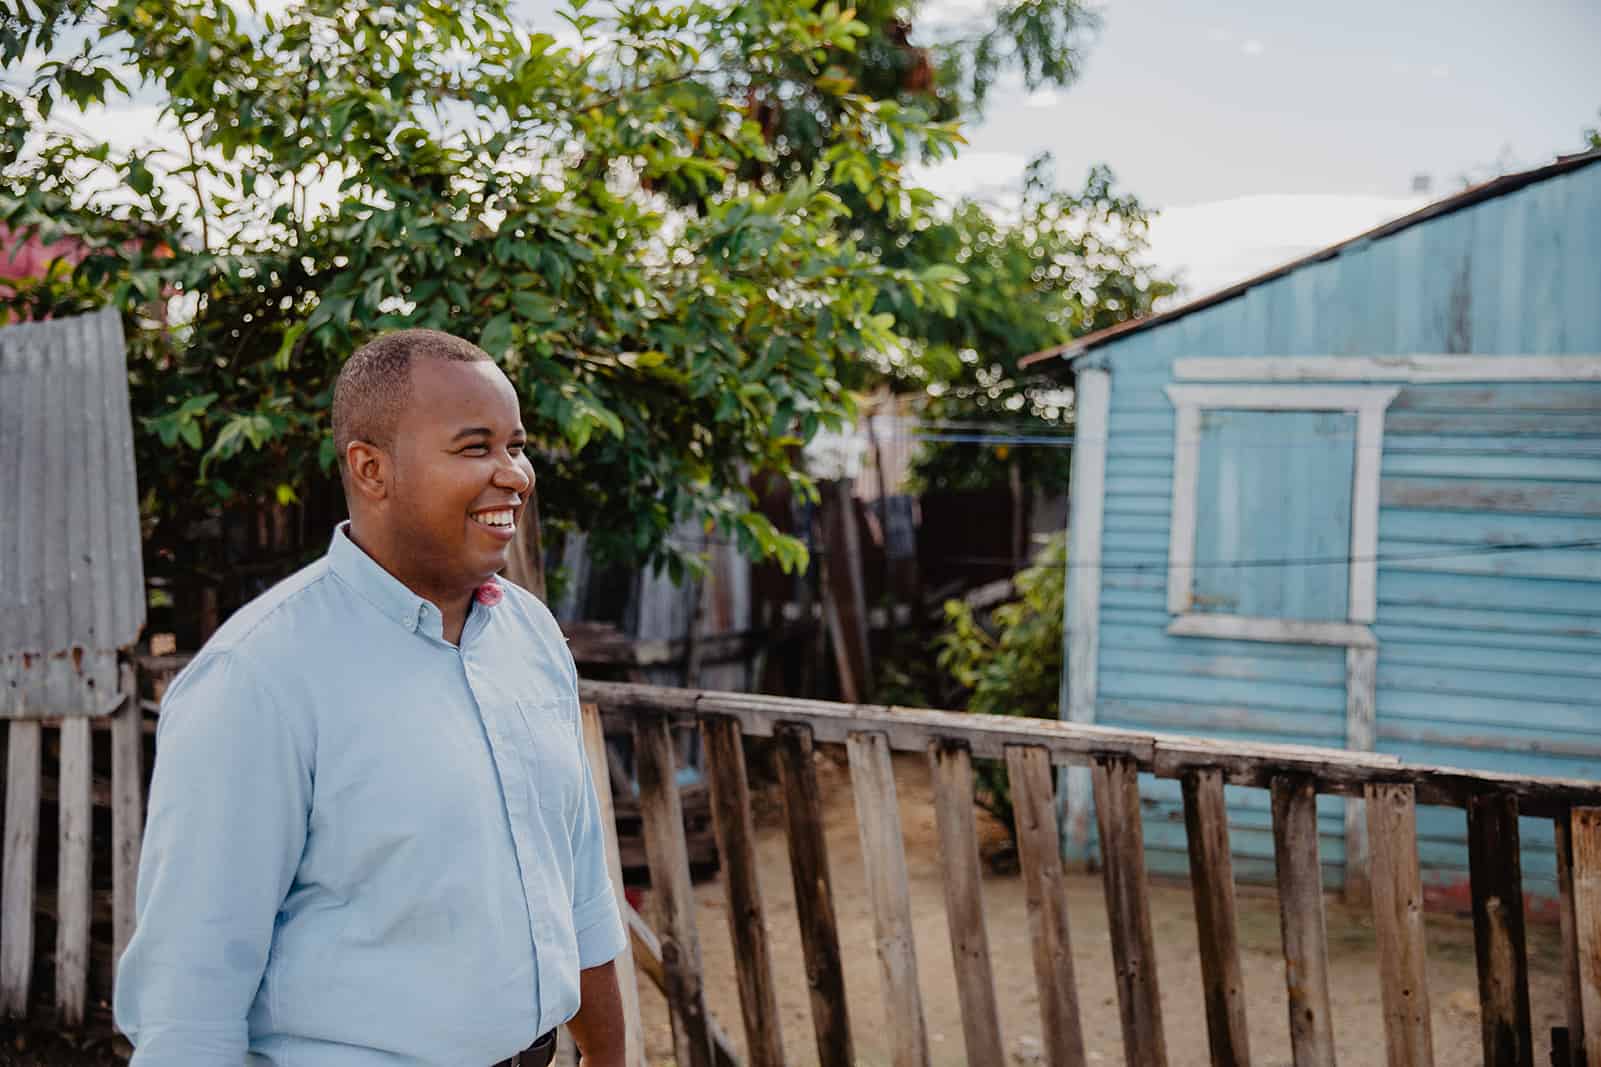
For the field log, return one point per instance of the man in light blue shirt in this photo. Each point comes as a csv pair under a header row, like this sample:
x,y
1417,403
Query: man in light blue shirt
x,y
373,838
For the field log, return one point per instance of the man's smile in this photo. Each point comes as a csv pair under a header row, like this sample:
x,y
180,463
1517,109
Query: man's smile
x,y
501,520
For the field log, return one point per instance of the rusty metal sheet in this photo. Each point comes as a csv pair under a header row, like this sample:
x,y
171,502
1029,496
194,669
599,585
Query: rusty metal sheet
x,y
71,574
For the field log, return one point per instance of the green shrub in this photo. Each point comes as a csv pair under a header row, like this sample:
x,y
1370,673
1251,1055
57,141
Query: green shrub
x,y
1010,662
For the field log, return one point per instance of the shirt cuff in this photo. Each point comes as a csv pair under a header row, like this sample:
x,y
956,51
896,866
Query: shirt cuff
x,y
599,925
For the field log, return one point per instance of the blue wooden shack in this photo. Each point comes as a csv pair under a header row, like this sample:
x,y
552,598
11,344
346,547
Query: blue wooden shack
x,y
1354,502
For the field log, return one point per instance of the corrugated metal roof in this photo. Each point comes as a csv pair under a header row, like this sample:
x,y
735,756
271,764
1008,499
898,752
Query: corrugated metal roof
x,y
71,575
1506,183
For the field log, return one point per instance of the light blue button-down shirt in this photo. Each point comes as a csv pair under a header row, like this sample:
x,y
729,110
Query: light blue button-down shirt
x,y
366,845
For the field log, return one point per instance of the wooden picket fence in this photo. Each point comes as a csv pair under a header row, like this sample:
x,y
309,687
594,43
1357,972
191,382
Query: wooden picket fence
x,y
99,767
1032,749
101,771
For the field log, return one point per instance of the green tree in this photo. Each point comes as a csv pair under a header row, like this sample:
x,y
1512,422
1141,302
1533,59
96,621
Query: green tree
x,y
344,167
1070,264
1011,662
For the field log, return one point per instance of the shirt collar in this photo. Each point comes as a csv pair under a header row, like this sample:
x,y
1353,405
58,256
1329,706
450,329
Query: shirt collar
x,y
380,588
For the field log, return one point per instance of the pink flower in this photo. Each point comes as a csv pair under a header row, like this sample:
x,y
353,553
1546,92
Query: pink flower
x,y
490,593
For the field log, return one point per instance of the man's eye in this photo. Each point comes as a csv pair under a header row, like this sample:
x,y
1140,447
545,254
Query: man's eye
x,y
475,450
516,447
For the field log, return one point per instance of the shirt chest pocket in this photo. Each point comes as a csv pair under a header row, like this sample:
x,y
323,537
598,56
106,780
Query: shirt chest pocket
x,y
550,754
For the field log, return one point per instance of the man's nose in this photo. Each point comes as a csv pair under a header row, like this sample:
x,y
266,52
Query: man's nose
x,y
517,475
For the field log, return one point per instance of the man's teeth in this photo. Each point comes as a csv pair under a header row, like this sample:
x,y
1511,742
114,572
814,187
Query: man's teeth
x,y
500,519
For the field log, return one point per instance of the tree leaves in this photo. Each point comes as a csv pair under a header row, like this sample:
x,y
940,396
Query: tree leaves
x,y
355,167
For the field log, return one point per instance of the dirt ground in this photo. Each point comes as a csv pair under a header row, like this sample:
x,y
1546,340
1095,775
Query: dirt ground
x,y
1353,963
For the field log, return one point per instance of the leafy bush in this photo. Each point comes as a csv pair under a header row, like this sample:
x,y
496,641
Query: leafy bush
x,y
1011,662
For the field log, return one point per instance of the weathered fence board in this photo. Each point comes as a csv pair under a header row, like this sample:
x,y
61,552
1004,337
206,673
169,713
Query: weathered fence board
x,y
127,811
668,853
1040,852
1128,911
1206,826
1568,920
1334,772
1495,871
736,845
1584,834
844,599
1397,887
952,772
878,818
814,895
627,979
1306,941
72,876
20,864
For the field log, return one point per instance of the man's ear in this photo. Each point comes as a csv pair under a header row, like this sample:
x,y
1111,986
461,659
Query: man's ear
x,y
369,469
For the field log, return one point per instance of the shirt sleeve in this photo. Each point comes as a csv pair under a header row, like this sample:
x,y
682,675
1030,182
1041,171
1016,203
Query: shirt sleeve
x,y
229,803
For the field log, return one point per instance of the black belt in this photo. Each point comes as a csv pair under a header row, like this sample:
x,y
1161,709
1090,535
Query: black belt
x,y
539,1054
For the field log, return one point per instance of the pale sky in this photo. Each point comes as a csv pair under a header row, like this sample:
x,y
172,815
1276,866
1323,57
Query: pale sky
x,y
1265,129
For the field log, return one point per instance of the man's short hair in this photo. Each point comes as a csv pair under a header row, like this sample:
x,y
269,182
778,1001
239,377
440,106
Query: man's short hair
x,y
375,384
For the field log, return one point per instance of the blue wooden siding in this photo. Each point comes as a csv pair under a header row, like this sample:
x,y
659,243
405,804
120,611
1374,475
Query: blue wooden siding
x,y
1488,660
1502,671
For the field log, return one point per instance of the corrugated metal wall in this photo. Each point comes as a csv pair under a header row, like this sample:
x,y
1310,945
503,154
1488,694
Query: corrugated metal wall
x,y
71,578
1480,656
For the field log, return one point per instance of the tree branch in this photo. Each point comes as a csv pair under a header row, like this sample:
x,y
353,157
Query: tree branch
x,y
200,200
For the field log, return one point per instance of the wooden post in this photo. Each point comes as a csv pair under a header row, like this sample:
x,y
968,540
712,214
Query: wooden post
x,y
127,810
1496,873
1397,888
878,818
814,895
1361,684
747,923
1014,485
1082,610
952,770
1306,941
1572,965
668,856
1028,769
844,598
1128,911
1206,826
627,979
1584,826
72,875
20,868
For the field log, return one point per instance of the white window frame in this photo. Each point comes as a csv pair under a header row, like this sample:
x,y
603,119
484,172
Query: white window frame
x,y
1368,403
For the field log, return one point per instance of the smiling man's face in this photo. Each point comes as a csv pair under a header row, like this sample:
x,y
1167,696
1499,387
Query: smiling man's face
x,y
461,479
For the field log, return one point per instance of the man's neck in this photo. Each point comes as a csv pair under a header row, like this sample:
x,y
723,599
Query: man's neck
x,y
453,604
